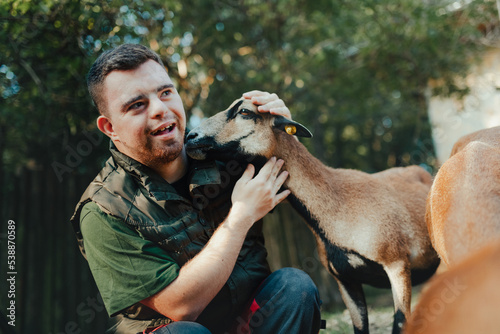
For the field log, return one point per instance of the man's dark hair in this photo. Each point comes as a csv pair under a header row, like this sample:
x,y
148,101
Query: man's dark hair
x,y
122,58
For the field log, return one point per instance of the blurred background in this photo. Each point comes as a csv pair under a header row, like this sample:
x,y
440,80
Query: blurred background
x,y
380,84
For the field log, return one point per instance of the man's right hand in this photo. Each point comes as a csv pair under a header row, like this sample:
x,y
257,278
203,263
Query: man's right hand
x,y
253,197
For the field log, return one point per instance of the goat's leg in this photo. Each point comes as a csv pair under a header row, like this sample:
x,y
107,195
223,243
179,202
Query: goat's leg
x,y
400,277
354,299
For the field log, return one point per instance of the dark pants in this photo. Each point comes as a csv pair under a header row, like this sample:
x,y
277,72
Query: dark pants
x,y
286,302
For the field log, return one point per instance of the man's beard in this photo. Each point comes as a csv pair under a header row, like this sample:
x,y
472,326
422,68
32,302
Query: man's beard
x,y
158,156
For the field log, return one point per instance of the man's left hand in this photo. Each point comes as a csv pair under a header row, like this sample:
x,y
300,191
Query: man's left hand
x,y
268,102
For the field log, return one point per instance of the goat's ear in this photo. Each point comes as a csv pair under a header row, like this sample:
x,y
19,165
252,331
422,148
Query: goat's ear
x,y
291,127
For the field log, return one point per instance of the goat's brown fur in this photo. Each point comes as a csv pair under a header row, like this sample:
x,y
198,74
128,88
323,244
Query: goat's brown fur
x,y
367,226
463,208
463,300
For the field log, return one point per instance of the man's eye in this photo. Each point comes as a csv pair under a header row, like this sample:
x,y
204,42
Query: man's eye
x,y
136,105
166,93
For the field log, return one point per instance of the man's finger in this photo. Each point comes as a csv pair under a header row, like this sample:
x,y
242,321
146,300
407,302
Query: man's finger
x,y
266,171
281,196
278,111
276,168
247,174
280,180
254,93
265,99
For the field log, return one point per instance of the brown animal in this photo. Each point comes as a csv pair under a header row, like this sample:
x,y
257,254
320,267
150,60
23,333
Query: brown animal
x,y
463,300
370,228
463,208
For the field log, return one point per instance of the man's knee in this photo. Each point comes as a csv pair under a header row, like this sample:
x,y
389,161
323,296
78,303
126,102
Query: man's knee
x,y
293,288
289,302
298,282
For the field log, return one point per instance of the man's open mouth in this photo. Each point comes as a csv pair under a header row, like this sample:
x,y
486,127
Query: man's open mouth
x,y
163,130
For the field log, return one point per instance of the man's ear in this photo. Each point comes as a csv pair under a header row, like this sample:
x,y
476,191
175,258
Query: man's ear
x,y
291,127
104,124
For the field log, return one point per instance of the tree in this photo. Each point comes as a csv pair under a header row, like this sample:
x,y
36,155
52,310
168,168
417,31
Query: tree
x,y
357,70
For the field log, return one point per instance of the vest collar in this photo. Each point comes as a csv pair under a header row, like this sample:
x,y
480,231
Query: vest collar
x,y
200,173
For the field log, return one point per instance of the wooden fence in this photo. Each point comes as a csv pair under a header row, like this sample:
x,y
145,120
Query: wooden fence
x,y
54,289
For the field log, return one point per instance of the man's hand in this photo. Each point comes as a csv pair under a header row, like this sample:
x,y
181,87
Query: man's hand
x,y
268,102
253,197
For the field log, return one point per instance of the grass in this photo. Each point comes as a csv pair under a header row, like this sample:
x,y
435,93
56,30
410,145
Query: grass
x,y
380,313
380,320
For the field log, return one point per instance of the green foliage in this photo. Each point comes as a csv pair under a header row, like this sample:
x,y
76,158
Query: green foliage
x,y
355,72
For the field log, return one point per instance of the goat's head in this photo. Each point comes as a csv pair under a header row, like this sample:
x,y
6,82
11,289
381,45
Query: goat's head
x,y
241,133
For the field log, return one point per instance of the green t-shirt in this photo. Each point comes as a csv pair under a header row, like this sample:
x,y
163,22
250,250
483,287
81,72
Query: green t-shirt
x,y
126,267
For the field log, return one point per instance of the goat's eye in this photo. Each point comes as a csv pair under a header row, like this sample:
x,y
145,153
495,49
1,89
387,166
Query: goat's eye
x,y
245,112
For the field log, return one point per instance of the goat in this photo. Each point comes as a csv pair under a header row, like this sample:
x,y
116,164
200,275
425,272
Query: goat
x,y
463,207
369,228
463,300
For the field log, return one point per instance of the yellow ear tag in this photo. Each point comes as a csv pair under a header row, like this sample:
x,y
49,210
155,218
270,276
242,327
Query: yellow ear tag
x,y
290,129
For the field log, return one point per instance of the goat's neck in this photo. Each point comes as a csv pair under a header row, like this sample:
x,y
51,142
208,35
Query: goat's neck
x,y
309,180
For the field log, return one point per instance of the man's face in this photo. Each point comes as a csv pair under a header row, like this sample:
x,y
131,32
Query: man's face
x,y
145,112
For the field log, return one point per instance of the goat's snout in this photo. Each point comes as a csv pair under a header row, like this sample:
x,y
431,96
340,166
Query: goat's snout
x,y
192,135
197,145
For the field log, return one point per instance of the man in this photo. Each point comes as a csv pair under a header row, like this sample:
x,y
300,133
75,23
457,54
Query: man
x,y
176,245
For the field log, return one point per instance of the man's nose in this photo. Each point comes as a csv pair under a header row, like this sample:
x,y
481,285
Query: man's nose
x,y
158,108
